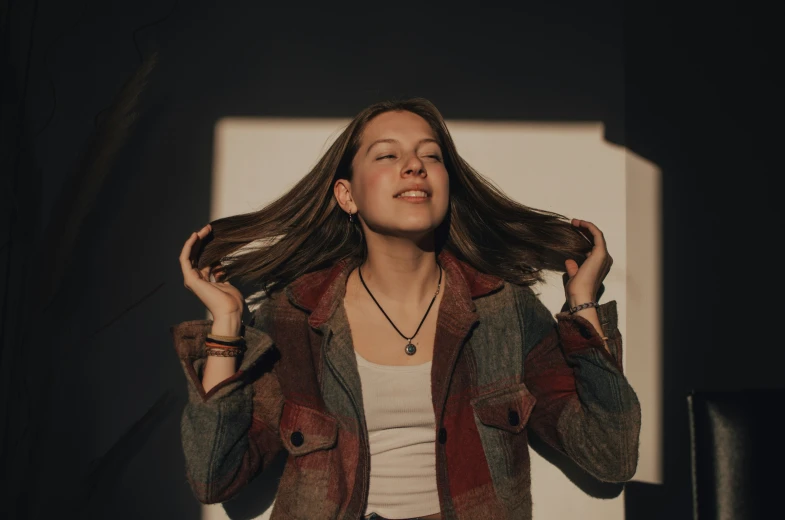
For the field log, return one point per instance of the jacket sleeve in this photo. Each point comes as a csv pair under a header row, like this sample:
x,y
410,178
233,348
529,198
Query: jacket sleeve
x,y
585,408
230,433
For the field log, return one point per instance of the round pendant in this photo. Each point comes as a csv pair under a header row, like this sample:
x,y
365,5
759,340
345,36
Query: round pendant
x,y
411,349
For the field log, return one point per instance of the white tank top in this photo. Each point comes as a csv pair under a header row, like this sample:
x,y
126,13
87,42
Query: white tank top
x,y
401,433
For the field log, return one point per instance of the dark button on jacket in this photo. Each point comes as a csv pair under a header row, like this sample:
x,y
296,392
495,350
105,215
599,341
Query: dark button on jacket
x,y
297,439
442,435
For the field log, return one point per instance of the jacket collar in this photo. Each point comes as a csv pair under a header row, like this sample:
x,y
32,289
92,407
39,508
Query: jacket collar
x,y
320,292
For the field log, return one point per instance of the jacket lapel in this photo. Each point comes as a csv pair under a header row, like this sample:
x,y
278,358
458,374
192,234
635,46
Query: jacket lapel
x,y
321,293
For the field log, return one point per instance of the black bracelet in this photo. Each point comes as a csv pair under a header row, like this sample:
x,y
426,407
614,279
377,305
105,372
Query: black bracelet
x,y
583,306
236,343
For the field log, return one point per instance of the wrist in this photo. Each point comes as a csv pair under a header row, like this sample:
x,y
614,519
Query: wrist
x,y
227,326
575,300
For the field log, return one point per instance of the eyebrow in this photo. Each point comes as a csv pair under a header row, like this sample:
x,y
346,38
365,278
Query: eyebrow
x,y
421,141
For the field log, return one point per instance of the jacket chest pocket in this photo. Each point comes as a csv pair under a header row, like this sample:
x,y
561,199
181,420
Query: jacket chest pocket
x,y
501,418
310,436
506,409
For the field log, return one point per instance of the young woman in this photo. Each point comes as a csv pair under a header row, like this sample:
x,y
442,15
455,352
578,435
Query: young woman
x,y
398,353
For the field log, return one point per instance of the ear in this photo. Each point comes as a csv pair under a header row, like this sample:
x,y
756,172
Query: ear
x,y
343,194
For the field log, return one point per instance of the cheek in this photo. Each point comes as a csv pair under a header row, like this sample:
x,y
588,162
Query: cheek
x,y
371,187
377,184
440,182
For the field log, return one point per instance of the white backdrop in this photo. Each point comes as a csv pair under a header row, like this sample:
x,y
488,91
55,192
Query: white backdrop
x,y
566,168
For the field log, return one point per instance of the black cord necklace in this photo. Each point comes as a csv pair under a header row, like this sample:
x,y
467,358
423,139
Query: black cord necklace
x,y
410,348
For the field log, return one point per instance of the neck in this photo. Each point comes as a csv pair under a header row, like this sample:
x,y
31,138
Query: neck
x,y
401,276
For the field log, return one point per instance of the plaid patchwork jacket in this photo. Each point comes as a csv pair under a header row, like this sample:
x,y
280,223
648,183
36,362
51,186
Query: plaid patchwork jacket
x,y
502,367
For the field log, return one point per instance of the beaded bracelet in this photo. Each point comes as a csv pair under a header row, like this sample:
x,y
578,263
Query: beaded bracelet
x,y
220,352
583,306
214,348
224,352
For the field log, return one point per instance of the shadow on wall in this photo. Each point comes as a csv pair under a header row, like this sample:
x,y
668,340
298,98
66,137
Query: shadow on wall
x,y
34,302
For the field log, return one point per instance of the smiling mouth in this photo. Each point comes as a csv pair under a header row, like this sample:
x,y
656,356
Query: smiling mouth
x,y
414,194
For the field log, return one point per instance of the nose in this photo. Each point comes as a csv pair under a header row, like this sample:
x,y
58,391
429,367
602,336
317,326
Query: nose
x,y
414,166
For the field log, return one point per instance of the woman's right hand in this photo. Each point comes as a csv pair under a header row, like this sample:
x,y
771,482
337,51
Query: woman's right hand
x,y
221,298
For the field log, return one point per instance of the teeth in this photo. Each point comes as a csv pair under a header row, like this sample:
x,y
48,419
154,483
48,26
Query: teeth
x,y
413,194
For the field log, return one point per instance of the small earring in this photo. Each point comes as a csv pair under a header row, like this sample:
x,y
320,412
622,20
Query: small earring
x,y
350,217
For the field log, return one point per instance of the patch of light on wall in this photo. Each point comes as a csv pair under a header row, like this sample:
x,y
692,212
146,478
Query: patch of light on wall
x,y
566,168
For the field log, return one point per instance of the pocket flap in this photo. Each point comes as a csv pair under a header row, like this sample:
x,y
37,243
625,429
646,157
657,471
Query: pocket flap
x,y
304,429
507,408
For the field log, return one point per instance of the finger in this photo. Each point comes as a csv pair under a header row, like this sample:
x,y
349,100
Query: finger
x,y
196,250
192,277
204,231
185,254
219,277
188,245
599,238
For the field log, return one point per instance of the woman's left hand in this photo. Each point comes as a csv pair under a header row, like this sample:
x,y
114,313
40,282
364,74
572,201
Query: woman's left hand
x,y
582,283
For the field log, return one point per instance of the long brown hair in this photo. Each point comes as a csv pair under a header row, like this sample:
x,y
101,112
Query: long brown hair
x,y
306,230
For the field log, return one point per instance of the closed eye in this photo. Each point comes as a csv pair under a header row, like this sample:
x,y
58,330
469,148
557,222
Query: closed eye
x,y
438,158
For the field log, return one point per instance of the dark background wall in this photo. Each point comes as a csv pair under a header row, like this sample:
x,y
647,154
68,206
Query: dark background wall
x,y
107,121
702,102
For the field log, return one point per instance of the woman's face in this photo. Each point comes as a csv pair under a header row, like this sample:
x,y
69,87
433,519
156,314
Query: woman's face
x,y
398,152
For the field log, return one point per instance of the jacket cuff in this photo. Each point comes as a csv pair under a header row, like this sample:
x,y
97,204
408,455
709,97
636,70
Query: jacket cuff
x,y
577,333
189,343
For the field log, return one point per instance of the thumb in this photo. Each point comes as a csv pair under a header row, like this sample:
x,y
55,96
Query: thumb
x,y
572,267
